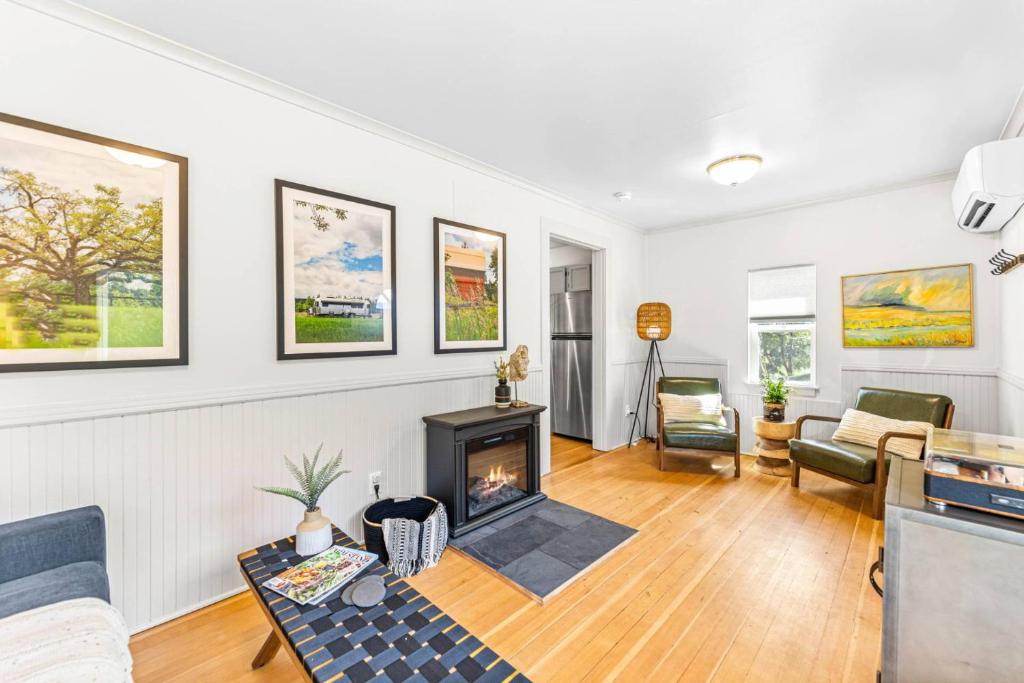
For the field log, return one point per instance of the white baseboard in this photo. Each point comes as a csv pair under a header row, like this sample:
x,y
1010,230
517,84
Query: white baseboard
x,y
189,610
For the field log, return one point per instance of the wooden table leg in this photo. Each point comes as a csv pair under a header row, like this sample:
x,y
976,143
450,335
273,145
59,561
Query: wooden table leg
x,y
270,647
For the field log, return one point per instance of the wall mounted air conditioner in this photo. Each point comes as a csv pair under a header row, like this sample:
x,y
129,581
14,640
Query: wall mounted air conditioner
x,y
989,190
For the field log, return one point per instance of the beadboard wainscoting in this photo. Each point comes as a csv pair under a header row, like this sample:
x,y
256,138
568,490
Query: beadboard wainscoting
x,y
177,485
975,392
1011,404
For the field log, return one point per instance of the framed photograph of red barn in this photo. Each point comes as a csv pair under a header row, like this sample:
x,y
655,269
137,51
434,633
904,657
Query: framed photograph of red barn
x,y
469,288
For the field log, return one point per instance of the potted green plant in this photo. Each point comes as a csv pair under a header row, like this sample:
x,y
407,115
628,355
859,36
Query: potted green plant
x,y
775,395
313,534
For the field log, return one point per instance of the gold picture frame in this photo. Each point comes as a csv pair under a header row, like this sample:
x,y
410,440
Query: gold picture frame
x,y
930,307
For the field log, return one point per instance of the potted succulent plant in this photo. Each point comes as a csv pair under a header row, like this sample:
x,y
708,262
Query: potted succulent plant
x,y
313,534
775,395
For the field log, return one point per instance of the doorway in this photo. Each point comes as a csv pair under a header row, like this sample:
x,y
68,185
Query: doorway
x,y
571,352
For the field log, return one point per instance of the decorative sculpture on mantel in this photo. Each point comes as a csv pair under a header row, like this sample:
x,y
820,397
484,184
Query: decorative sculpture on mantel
x,y
519,368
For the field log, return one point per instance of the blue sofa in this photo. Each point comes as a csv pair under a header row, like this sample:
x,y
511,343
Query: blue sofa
x,y
52,558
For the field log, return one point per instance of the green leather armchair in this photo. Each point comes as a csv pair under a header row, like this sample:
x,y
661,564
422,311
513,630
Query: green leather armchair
x,y
696,438
864,466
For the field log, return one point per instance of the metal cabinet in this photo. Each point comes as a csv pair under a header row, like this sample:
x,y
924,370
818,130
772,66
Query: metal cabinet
x,y
558,280
570,279
577,279
954,590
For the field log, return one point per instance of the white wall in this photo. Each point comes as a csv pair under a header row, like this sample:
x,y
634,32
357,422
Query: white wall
x,y
172,453
702,273
569,255
1011,363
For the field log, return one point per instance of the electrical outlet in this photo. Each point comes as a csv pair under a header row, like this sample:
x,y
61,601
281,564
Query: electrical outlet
x,y
629,410
375,480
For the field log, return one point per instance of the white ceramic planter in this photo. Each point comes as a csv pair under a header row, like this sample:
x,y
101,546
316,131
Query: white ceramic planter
x,y
313,534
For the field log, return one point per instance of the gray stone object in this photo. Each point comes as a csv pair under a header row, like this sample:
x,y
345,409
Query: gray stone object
x,y
367,593
346,593
349,591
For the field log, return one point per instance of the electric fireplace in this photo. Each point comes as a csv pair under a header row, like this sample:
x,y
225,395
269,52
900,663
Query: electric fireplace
x,y
483,463
496,470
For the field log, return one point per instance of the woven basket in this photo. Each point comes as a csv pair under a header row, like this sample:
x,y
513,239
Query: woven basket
x,y
653,321
417,508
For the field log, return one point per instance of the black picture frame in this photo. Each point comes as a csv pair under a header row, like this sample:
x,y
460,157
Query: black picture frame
x,y
182,357
439,304
282,353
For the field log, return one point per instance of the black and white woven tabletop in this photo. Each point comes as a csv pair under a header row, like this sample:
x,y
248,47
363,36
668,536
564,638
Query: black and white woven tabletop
x,y
404,638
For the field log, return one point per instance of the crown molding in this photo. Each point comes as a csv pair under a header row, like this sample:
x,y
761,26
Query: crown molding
x,y
827,199
50,413
115,29
1015,121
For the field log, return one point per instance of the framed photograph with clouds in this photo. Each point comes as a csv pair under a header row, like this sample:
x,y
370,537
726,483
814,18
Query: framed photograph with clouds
x,y
335,274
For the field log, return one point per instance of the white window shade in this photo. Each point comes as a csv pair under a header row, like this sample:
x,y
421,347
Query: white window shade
x,y
781,294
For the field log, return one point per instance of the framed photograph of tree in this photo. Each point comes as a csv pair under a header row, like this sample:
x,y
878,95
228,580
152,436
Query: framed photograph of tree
x,y
93,251
469,288
335,274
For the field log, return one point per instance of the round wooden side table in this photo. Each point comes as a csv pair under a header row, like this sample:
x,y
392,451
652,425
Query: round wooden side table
x,y
772,447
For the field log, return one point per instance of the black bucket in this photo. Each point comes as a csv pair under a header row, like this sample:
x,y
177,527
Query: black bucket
x,y
418,509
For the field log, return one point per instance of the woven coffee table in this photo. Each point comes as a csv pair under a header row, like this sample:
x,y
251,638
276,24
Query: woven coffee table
x,y
404,637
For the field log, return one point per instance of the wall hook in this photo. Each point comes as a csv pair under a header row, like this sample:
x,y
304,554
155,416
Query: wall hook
x,y
1004,262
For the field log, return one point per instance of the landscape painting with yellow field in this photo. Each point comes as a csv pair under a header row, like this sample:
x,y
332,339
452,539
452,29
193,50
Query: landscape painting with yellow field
x,y
925,307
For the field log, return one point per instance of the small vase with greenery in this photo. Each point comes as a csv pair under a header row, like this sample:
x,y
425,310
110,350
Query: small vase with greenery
x,y
502,392
313,534
775,395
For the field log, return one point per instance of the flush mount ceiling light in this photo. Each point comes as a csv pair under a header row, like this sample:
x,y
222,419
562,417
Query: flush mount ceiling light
x,y
735,169
623,196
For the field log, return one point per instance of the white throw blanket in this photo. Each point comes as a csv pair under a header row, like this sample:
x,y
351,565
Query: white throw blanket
x,y
76,640
412,546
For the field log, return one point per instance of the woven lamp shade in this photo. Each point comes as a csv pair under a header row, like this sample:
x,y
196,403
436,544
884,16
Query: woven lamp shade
x,y
653,321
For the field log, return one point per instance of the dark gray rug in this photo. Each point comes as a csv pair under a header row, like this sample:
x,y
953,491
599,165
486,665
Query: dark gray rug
x,y
542,548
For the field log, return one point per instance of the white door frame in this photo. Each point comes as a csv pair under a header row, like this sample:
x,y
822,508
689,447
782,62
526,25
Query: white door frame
x,y
599,286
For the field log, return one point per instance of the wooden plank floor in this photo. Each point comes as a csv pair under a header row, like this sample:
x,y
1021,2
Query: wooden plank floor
x,y
728,580
566,452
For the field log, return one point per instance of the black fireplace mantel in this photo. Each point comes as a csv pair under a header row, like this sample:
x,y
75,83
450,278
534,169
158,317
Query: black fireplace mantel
x,y
447,436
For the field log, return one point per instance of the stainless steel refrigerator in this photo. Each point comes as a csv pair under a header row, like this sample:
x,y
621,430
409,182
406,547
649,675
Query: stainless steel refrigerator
x,y
571,352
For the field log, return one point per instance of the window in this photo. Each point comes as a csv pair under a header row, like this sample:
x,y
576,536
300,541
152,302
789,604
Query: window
x,y
781,311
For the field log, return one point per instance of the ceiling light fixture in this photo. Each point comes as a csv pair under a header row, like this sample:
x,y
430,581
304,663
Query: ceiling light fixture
x,y
735,169
623,196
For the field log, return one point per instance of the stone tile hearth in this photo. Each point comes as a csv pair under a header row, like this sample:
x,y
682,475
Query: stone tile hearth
x,y
544,547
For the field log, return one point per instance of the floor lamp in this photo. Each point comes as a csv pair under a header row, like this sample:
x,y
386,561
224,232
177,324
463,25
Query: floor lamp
x,y
653,324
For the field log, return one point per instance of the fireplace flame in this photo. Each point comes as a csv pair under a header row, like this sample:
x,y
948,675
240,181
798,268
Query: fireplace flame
x,y
497,478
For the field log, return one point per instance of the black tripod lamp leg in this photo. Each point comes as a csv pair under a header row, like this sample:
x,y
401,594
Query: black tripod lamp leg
x,y
639,400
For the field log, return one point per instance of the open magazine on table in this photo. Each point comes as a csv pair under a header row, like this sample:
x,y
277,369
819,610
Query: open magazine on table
x,y
314,578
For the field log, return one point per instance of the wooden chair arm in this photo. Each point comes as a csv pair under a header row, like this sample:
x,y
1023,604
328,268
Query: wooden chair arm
x,y
880,473
803,418
735,418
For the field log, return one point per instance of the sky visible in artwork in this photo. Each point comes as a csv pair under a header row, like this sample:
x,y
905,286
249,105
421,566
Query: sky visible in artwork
x,y
345,260
80,172
935,289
